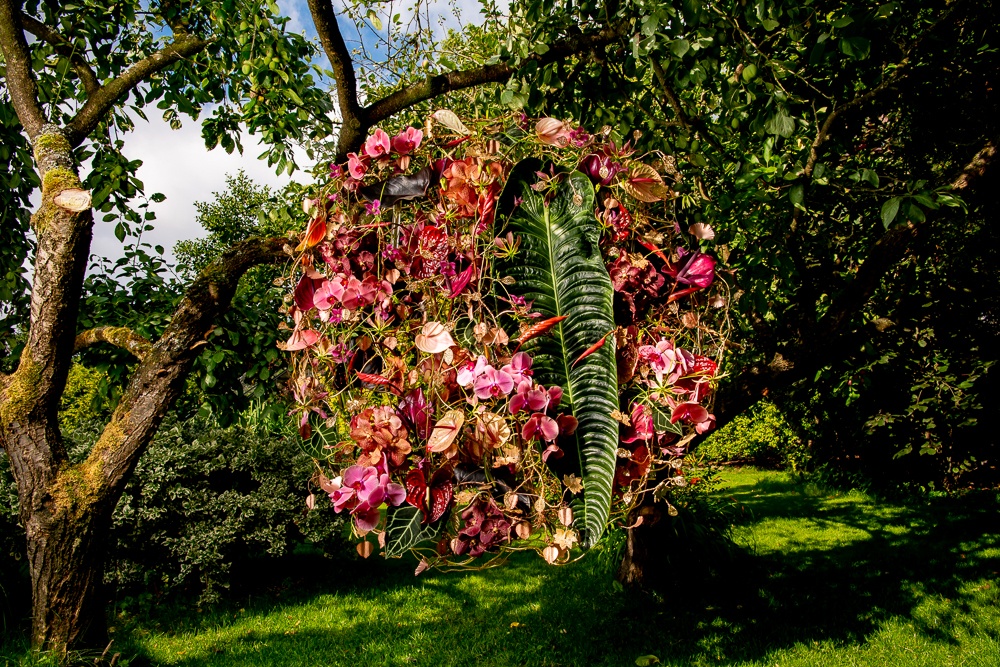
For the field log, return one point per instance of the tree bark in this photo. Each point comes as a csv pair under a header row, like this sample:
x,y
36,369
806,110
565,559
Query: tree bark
x,y
66,561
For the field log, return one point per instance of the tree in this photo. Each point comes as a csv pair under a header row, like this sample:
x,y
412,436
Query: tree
x,y
88,66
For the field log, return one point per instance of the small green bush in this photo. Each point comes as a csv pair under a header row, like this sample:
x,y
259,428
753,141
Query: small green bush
x,y
761,435
204,501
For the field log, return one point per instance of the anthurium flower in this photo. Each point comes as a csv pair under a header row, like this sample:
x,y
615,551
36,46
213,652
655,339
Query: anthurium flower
x,y
416,412
377,144
694,268
301,339
442,438
432,498
552,131
433,338
306,289
642,424
600,169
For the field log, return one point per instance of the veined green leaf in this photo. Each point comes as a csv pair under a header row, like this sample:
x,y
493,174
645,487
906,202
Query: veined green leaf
x,y
560,269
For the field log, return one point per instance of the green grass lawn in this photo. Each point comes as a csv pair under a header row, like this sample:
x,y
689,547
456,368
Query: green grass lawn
x,y
826,578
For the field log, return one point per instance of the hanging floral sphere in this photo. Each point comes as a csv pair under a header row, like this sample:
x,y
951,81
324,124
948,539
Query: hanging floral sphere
x,y
500,338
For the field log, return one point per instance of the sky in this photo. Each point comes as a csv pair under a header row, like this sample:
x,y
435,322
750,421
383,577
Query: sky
x,y
176,163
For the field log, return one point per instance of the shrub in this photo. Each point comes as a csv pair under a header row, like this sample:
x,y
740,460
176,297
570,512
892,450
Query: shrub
x,y
203,501
762,435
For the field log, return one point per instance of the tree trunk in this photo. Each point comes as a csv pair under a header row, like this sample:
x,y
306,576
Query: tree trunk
x,y
642,544
66,559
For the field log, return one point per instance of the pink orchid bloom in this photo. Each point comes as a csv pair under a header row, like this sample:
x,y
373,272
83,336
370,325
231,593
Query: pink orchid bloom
x,y
534,397
492,384
519,367
329,293
358,294
666,360
377,144
362,490
407,141
472,370
356,166
540,426
693,413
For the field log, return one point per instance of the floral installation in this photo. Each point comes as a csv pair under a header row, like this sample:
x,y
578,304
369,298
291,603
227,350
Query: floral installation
x,y
459,412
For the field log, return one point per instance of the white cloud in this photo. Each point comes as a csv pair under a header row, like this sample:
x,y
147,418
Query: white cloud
x,y
176,163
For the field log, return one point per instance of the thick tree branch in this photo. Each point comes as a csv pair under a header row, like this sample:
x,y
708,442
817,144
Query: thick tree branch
x,y
64,48
122,337
325,20
433,86
20,78
444,83
183,46
160,376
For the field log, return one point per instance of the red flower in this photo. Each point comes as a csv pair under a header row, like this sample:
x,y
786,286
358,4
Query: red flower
x,y
437,494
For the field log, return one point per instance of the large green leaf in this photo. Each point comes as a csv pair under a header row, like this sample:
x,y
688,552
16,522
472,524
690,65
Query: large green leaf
x,y
559,267
405,530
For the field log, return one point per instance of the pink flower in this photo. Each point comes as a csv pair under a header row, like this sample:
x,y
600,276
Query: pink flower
x,y
696,269
702,231
377,144
472,370
407,141
492,384
693,413
534,397
519,368
666,360
433,338
540,426
301,339
362,490
373,207
642,424
356,166
552,131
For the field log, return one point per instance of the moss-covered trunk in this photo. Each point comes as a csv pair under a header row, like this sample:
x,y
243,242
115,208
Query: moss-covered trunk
x,y
66,559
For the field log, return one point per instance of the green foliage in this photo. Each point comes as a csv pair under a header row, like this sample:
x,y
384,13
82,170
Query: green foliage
x,y
82,402
206,499
762,435
561,270
204,502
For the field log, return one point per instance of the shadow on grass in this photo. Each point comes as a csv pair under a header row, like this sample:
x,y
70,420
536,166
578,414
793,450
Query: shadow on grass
x,y
916,562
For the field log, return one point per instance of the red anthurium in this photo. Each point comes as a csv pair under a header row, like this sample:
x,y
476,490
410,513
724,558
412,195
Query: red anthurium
x,y
434,498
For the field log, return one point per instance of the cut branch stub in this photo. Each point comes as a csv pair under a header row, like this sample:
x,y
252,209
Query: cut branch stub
x,y
73,199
